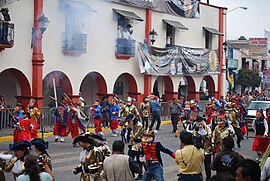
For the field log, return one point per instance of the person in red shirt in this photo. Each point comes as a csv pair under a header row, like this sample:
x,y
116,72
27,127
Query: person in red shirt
x,y
24,127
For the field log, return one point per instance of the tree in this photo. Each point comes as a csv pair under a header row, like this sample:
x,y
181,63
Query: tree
x,y
248,78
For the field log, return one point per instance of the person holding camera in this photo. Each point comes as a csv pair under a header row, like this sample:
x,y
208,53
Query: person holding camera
x,y
40,147
151,150
226,160
202,139
189,159
32,170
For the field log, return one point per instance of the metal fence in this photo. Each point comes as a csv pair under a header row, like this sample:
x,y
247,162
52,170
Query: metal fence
x,y
48,118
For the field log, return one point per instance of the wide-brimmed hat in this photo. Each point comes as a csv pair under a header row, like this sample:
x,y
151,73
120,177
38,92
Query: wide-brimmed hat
x,y
40,142
85,138
229,107
96,136
28,113
20,145
221,118
18,105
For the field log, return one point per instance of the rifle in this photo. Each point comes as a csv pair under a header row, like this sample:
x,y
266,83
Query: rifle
x,y
70,100
57,101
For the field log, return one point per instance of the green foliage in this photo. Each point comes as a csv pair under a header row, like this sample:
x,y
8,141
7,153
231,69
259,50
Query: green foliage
x,y
248,78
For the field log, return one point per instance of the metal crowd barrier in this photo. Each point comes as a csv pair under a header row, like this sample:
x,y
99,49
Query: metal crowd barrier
x,y
48,118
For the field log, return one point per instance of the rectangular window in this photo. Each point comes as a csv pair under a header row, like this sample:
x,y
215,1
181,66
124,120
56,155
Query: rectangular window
x,y
208,40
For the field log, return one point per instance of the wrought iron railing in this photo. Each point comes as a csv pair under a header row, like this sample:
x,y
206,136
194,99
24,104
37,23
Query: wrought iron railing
x,y
6,33
125,47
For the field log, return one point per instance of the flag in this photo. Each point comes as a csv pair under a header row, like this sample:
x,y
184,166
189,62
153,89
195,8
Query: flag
x,y
231,80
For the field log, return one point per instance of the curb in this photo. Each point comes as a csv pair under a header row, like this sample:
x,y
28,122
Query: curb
x,y
10,138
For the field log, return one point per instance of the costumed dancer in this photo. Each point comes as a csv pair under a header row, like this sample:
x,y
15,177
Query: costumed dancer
x,y
234,117
16,115
102,145
113,112
145,109
202,139
105,105
60,129
126,110
35,116
74,123
260,127
97,116
220,132
40,147
91,159
134,135
16,165
191,123
24,128
151,150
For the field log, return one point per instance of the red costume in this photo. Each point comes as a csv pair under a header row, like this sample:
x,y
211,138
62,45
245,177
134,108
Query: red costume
x,y
23,130
74,123
60,127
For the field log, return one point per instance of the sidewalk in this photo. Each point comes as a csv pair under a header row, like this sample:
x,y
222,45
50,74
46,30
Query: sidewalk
x,y
7,134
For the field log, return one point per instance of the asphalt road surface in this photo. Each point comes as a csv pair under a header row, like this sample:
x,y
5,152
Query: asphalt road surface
x,y
65,157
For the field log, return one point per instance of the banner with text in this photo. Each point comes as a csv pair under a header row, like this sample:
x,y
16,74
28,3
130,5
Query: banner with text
x,y
177,60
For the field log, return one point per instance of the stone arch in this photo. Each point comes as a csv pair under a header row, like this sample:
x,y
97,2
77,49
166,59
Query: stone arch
x,y
126,85
191,90
93,87
62,84
210,85
15,86
166,87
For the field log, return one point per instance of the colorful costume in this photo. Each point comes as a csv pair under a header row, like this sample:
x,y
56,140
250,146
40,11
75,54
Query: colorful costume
x,y
60,128
151,149
113,112
91,159
145,109
96,113
220,132
74,123
35,116
260,127
16,165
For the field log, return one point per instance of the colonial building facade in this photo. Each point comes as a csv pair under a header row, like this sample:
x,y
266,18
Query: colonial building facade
x,y
95,47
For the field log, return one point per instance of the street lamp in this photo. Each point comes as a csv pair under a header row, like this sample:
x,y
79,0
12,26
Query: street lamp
x,y
225,48
43,23
153,36
38,31
244,8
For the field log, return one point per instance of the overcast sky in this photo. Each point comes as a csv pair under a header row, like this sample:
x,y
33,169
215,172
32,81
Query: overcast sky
x,y
251,22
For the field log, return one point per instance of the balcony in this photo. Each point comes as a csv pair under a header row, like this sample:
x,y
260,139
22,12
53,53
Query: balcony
x,y
74,44
6,35
125,48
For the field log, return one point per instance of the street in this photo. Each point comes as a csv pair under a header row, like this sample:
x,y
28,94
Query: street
x,y
65,157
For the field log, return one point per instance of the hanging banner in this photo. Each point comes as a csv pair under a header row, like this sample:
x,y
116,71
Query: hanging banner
x,y
267,35
177,60
184,8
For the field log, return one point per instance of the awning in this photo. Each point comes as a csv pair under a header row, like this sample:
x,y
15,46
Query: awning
x,y
80,6
175,24
128,14
213,31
